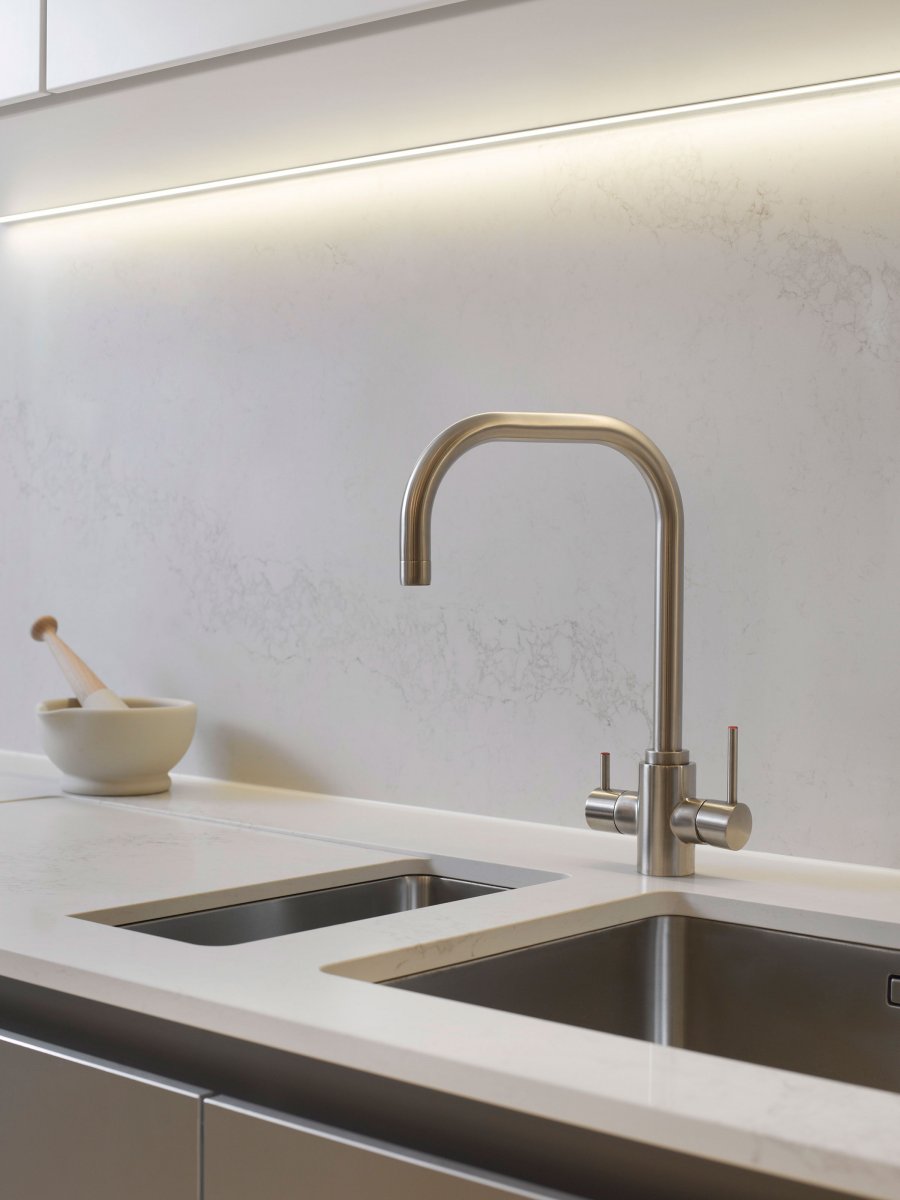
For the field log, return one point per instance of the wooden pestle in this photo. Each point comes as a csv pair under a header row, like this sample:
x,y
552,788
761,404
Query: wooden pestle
x,y
91,691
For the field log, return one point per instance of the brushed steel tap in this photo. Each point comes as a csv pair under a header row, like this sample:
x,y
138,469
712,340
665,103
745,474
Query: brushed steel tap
x,y
661,812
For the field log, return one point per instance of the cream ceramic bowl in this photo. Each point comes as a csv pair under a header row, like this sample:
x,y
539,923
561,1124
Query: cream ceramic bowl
x,y
109,752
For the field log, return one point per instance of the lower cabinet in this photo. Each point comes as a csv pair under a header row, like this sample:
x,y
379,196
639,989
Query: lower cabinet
x,y
253,1152
79,1128
74,1127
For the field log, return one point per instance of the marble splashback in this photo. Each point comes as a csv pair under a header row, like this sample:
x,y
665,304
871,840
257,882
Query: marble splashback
x,y
210,408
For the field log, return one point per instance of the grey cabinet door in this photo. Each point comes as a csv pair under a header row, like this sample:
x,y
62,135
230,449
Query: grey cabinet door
x,y
252,1153
80,1128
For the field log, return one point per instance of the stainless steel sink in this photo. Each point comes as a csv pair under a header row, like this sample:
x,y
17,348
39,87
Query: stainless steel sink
x,y
786,1000
260,919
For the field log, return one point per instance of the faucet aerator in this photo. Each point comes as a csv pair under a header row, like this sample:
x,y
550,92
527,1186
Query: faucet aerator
x,y
415,573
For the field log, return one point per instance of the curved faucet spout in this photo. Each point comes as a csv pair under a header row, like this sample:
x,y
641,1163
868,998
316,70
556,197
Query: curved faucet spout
x,y
415,526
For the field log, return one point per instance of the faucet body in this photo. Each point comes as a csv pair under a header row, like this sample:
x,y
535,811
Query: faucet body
x,y
661,812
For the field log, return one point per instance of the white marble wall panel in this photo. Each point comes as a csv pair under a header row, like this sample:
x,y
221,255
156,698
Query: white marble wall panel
x,y
210,408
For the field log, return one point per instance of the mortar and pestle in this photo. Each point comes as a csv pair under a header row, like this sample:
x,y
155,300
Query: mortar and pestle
x,y
105,744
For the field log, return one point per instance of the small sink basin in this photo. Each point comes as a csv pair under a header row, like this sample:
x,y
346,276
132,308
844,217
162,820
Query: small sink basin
x,y
258,919
807,1004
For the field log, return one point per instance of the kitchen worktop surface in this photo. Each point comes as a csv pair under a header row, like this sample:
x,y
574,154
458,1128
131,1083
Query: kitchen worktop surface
x,y
208,843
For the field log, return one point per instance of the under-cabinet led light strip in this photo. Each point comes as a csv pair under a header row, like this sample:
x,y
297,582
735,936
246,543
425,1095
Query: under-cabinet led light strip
x,y
472,143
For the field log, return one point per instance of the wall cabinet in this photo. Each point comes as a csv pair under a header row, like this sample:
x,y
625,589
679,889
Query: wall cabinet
x,y
80,1128
251,1151
21,50
89,41
460,70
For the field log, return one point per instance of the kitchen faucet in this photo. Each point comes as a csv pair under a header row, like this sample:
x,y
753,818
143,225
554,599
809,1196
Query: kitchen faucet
x,y
663,812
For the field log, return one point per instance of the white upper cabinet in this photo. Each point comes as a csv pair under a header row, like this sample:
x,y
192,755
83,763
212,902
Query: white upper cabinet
x,y
89,41
460,70
20,50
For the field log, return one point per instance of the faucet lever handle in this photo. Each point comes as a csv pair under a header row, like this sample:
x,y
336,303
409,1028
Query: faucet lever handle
x,y
731,796
604,771
710,822
610,810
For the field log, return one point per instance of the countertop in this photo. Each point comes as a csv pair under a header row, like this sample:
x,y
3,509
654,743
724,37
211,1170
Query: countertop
x,y
209,842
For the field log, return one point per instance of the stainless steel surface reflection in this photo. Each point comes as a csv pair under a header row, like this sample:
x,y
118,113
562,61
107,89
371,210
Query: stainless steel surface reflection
x,y
664,813
785,1000
311,910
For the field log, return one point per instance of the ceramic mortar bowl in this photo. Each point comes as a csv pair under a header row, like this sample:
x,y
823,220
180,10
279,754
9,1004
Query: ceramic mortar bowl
x,y
109,752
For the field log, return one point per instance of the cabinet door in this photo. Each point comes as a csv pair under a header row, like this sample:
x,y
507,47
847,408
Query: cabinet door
x,y
20,50
89,41
250,1151
79,1128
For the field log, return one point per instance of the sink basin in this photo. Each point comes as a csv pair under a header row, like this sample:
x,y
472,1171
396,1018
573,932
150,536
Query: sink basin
x,y
807,1004
258,919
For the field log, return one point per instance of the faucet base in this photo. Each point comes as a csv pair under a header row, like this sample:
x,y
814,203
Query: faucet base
x,y
665,815
662,788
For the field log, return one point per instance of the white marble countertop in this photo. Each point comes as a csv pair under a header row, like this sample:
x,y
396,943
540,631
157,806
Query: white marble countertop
x,y
208,842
